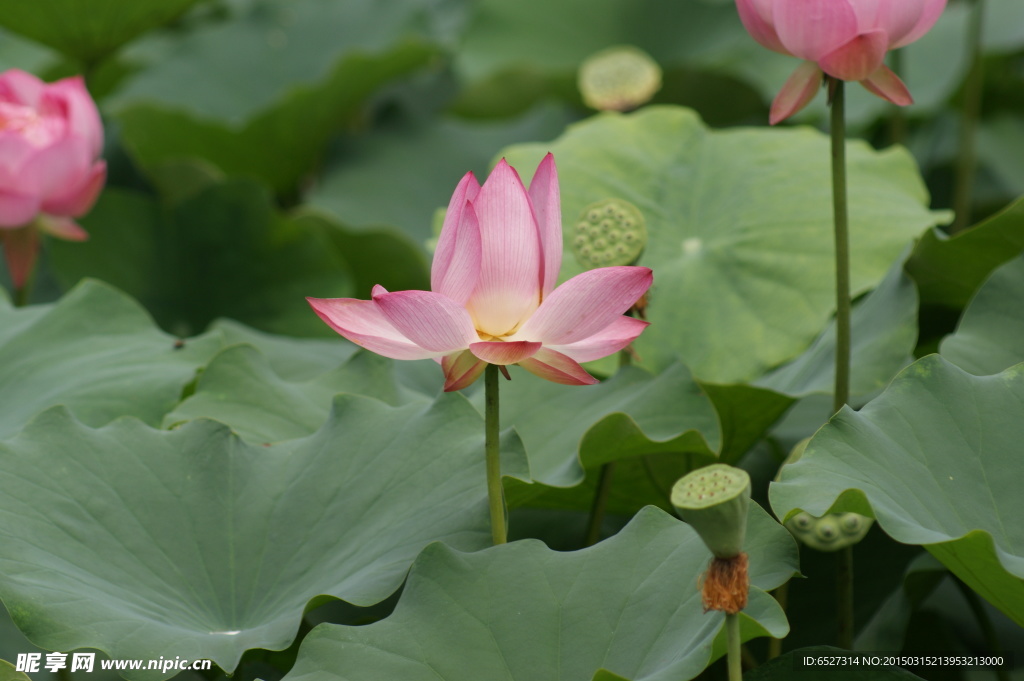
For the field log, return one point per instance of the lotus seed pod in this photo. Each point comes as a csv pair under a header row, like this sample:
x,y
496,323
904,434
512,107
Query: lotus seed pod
x,y
619,78
609,232
714,501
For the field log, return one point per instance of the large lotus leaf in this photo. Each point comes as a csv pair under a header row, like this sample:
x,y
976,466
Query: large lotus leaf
x,y
224,252
654,429
936,459
990,336
96,352
948,270
18,53
379,255
261,94
8,673
87,29
629,605
647,414
740,229
883,334
294,359
191,542
240,388
423,162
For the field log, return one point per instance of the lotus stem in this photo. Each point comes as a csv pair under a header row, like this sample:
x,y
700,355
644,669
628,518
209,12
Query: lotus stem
x,y
841,221
988,631
732,632
604,483
781,595
600,505
967,153
842,382
20,295
492,448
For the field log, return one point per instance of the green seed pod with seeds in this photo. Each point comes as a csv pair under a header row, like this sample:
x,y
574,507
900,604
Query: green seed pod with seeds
x,y
714,501
609,232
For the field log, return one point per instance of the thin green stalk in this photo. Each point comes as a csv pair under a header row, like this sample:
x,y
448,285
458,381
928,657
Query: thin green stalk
x,y
967,153
604,485
782,596
600,505
842,383
21,295
734,660
842,238
844,576
495,494
988,631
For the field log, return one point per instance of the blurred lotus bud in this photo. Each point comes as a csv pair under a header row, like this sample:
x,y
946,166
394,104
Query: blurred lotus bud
x,y
50,170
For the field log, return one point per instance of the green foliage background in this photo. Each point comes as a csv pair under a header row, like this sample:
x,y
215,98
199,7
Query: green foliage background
x,y
192,464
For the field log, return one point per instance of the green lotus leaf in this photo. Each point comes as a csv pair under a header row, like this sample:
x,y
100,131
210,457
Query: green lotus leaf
x,y
655,428
948,270
260,94
8,673
240,388
990,336
425,159
629,606
936,460
739,228
97,352
225,251
191,542
293,359
884,331
87,30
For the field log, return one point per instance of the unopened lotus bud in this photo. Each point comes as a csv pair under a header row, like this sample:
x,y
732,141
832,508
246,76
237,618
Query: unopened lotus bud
x,y
620,78
830,532
714,501
609,232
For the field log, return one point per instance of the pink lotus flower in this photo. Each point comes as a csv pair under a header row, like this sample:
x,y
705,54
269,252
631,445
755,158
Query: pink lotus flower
x,y
846,39
50,142
494,299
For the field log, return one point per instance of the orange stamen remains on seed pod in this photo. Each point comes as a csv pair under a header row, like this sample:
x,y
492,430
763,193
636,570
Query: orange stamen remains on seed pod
x,y
725,584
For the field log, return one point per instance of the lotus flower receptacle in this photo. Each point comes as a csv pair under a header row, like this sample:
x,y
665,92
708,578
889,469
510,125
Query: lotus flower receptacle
x,y
714,500
609,232
619,78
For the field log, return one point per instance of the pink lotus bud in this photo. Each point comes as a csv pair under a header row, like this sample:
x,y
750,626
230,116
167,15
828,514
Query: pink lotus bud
x,y
50,170
845,39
